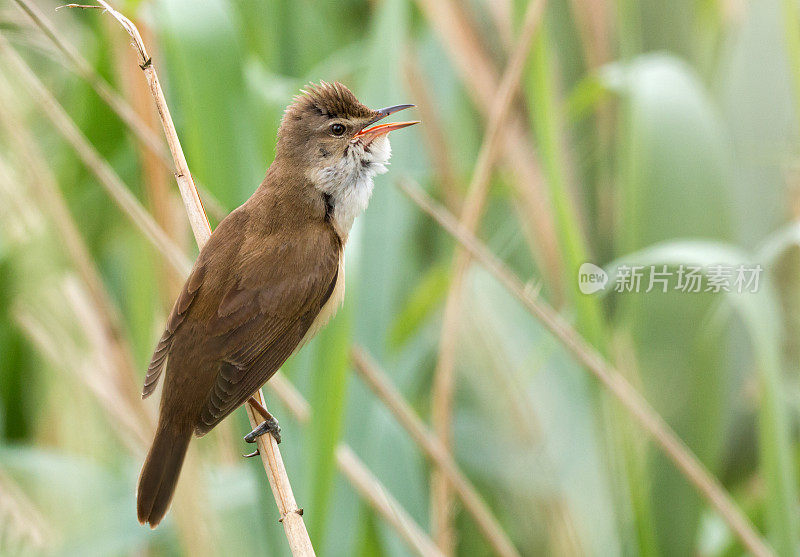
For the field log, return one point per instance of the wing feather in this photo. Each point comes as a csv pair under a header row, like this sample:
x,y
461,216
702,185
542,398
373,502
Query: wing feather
x,y
262,323
182,305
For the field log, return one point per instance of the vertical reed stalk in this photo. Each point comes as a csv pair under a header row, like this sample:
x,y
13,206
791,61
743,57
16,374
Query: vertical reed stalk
x,y
291,514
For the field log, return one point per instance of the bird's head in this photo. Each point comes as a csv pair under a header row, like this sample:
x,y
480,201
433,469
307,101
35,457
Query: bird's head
x,y
326,123
335,141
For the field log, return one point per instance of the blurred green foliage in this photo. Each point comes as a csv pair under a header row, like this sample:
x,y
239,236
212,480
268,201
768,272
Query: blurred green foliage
x,y
665,133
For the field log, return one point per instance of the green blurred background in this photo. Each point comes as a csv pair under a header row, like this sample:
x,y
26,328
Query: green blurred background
x,y
650,132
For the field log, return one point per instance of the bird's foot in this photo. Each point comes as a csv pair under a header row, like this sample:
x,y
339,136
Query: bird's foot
x,y
269,425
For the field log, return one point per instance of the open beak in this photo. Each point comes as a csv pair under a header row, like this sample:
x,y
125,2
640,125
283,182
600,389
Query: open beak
x,y
381,129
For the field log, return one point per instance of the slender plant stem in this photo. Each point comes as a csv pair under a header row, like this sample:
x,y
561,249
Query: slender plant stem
x,y
645,415
114,100
450,19
45,189
290,397
359,476
291,514
371,490
108,178
435,450
433,131
477,193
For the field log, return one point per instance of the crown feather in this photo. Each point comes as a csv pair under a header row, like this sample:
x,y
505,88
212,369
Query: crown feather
x,y
333,100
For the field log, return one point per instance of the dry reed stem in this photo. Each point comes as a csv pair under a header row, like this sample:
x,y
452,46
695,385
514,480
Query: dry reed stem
x,y
356,472
435,450
291,514
95,374
156,177
21,522
60,355
444,378
114,100
94,161
433,132
381,500
45,189
644,414
300,408
451,21
110,373
280,385
194,207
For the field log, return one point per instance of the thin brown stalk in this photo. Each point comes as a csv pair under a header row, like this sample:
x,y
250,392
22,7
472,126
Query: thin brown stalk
x,y
194,207
356,472
95,372
23,529
435,450
45,190
644,414
155,174
105,370
593,22
138,126
93,160
450,19
444,378
502,12
433,132
381,500
280,385
291,514
60,351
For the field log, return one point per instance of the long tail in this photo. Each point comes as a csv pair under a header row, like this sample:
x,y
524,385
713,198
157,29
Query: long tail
x,y
160,473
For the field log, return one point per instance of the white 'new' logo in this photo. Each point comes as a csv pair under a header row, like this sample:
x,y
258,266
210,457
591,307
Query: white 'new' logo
x,y
591,278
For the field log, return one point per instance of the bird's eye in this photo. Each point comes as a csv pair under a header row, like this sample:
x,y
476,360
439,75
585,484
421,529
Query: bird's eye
x,y
337,129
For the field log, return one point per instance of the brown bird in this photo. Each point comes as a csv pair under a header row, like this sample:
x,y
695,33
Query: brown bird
x,y
270,276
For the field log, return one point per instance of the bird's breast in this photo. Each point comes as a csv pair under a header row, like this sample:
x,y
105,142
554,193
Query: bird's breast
x,y
330,307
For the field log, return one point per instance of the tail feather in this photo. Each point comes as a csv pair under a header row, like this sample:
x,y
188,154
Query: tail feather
x,y
160,474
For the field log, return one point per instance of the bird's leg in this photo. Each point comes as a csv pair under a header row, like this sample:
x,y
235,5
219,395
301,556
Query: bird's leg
x,y
269,425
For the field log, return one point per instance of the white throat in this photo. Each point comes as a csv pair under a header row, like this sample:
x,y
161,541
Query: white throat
x,y
349,180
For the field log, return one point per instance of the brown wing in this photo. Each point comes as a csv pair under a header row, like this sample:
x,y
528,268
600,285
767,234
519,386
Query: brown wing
x,y
182,305
265,315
